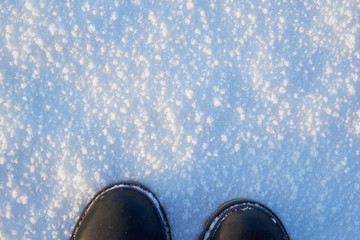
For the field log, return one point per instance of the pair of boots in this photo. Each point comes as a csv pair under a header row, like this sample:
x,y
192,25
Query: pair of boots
x,y
128,210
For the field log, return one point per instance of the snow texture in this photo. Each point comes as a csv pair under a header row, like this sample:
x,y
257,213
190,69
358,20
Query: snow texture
x,y
201,101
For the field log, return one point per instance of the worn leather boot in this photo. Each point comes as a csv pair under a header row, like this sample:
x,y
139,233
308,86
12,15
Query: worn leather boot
x,y
125,211
243,219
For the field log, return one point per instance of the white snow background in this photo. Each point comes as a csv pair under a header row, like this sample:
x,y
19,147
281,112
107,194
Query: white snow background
x,y
201,101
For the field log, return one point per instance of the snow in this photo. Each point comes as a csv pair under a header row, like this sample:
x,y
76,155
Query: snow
x,y
202,102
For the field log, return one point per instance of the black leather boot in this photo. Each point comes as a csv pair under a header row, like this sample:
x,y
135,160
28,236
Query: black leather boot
x,y
125,211
243,219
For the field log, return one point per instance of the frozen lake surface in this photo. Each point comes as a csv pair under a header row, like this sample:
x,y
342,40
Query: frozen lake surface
x,y
202,101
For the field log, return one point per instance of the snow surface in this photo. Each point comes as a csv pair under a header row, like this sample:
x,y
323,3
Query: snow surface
x,y
201,101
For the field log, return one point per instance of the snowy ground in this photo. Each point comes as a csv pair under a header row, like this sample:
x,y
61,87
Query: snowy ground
x,y
201,101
